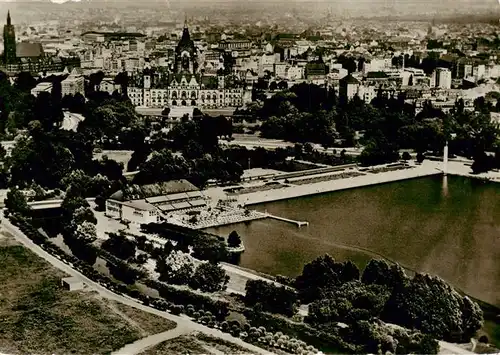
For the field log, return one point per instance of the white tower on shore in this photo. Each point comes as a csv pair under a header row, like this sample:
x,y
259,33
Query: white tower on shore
x,y
445,159
445,154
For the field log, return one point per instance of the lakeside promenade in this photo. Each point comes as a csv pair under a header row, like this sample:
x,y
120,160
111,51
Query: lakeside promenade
x,y
427,168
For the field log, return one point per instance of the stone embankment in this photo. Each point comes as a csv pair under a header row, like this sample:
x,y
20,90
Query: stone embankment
x,y
291,191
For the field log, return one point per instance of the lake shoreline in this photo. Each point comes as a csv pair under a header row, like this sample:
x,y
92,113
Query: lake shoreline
x,y
369,179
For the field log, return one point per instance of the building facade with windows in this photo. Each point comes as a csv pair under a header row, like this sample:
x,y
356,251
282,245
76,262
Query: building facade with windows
x,y
185,85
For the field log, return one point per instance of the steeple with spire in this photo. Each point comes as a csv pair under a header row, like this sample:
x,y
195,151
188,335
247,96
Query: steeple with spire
x,y
186,37
185,52
9,41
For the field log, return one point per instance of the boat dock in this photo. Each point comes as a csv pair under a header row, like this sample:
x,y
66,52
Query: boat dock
x,y
283,219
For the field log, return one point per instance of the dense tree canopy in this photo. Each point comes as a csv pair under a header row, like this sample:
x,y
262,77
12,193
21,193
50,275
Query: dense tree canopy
x,y
16,202
309,113
272,298
164,166
432,306
42,159
322,274
120,246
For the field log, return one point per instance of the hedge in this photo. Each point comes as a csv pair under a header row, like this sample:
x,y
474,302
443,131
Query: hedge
x,y
326,342
220,309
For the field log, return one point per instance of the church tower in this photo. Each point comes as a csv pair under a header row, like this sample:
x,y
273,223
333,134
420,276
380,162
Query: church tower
x,y
9,41
185,53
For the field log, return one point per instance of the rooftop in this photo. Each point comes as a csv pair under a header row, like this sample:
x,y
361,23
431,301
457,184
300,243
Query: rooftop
x,y
29,50
140,205
71,280
349,79
115,34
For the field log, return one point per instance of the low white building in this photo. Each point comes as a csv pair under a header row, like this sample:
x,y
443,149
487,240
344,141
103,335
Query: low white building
x,y
139,212
144,204
72,283
41,87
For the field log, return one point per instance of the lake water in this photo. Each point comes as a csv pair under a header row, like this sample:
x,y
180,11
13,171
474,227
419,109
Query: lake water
x,y
443,226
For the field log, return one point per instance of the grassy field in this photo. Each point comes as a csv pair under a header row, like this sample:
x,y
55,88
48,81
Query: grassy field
x,y
196,343
39,316
121,156
148,323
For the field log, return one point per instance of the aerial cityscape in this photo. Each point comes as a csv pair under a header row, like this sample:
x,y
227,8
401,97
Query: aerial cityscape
x,y
250,177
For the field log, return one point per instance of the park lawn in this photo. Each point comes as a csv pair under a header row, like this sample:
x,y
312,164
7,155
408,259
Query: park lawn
x,y
492,330
184,344
195,343
149,323
39,316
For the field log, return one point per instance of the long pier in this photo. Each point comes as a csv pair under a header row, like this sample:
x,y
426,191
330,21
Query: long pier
x,y
283,219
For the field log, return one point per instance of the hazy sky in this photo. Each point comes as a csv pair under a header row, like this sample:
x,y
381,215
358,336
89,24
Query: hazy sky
x,y
354,7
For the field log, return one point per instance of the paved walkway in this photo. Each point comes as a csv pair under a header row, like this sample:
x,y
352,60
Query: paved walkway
x,y
183,322
451,349
426,169
142,344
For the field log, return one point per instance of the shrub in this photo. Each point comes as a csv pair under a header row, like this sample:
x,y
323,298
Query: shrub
x,y
209,277
234,323
327,341
235,331
234,240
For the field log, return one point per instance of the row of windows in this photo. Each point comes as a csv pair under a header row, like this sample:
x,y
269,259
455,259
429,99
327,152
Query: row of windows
x,y
184,86
113,208
193,96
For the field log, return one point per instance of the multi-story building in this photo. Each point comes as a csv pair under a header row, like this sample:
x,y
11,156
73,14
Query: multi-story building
x,y
441,78
235,44
186,86
295,73
108,85
349,87
73,84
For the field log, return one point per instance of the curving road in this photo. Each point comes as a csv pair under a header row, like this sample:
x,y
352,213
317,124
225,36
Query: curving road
x,y
451,349
184,324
